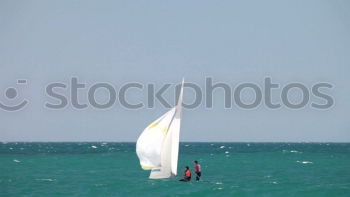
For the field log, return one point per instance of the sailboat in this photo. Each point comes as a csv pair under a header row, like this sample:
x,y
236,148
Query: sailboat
x,y
158,145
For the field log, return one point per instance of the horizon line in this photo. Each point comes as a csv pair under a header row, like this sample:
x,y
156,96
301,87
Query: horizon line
x,y
102,141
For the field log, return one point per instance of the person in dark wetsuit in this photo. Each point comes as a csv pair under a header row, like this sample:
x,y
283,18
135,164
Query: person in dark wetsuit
x,y
198,170
187,175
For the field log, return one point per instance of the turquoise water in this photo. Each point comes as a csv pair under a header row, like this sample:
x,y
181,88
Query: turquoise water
x,y
229,169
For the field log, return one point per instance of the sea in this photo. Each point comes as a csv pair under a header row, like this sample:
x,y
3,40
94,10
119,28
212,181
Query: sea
x,y
228,169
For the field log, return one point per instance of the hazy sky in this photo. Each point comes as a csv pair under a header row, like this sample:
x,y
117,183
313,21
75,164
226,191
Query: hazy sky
x,y
162,41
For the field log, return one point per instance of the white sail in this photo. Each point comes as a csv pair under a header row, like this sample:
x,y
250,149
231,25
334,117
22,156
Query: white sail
x,y
149,144
175,132
158,145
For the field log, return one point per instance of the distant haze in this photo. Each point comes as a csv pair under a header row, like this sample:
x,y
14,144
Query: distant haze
x,y
160,42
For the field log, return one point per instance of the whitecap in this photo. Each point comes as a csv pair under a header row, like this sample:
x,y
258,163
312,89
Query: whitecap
x,y
248,144
93,147
227,152
305,162
17,161
293,151
218,183
50,180
187,145
274,182
222,146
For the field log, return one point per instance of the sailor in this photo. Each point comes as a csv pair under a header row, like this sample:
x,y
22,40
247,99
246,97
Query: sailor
x,y
187,175
197,168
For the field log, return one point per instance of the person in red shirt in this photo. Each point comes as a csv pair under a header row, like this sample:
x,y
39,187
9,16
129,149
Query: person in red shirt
x,y
197,168
187,175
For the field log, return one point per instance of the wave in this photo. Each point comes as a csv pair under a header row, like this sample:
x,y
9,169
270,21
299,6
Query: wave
x,y
305,162
50,180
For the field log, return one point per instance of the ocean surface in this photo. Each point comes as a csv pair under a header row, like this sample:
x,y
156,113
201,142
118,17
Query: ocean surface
x,y
228,169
